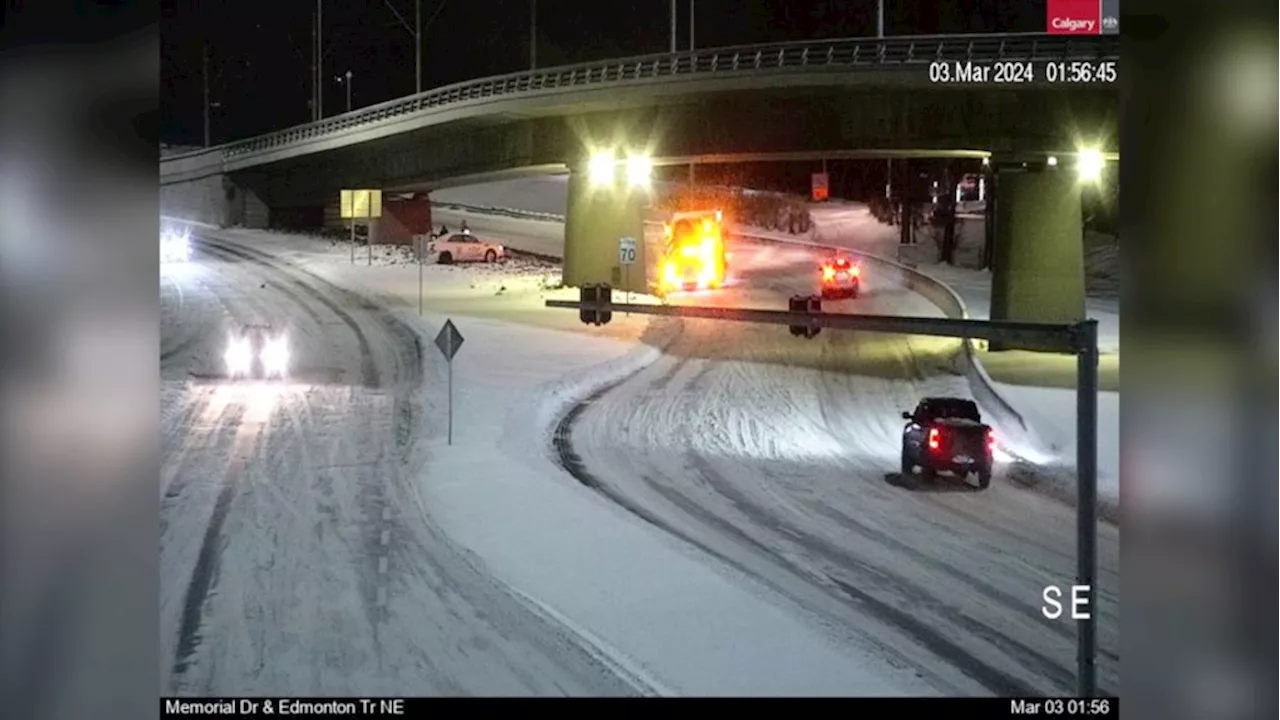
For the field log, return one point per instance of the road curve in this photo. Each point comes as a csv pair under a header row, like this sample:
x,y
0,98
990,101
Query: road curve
x,y
296,555
777,456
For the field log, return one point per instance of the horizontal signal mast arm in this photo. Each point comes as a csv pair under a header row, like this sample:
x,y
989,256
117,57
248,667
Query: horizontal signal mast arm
x,y
1070,338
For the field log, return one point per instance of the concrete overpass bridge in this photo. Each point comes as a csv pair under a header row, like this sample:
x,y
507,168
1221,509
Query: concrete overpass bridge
x,y
779,101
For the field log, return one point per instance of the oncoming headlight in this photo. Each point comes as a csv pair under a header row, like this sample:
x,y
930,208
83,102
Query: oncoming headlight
x,y
239,357
175,246
275,356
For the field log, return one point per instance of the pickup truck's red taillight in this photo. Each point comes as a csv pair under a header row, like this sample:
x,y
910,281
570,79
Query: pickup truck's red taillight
x,y
934,439
991,439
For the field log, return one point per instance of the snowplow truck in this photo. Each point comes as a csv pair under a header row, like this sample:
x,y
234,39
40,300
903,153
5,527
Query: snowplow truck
x,y
694,257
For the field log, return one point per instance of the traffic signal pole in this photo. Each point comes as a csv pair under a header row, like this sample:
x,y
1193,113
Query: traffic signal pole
x,y
1049,337
596,307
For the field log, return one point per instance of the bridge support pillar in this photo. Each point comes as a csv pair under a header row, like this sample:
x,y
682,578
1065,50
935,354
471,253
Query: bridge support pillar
x,y
245,206
1038,254
597,216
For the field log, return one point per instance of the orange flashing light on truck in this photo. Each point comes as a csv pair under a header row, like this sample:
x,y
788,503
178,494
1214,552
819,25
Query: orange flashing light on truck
x,y
694,257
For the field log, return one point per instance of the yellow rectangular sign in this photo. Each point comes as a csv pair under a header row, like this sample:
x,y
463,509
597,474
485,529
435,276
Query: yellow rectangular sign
x,y
361,203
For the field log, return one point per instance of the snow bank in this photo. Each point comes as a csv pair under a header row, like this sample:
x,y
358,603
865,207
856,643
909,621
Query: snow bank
x,y
1052,412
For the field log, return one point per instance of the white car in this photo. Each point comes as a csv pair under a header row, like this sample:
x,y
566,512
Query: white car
x,y
175,246
257,351
465,247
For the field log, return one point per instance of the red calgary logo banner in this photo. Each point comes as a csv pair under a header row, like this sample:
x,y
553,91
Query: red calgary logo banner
x,y
1074,17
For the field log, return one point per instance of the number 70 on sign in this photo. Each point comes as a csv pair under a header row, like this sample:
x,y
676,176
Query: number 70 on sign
x,y
626,251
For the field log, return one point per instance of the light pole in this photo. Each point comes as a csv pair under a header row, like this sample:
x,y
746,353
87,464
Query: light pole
x,y
691,4
319,59
347,80
315,66
417,46
533,34
416,33
673,27
205,79
888,163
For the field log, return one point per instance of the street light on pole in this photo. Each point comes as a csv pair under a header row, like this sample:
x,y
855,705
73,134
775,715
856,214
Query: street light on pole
x,y
417,45
888,163
673,26
691,3
205,79
319,59
348,82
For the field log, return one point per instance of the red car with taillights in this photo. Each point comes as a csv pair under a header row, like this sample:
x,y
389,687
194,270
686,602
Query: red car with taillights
x,y
840,277
947,434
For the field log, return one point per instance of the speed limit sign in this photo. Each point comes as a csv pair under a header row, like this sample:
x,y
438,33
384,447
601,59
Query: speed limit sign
x,y
627,251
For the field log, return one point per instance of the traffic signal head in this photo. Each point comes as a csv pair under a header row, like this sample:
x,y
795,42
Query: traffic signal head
x,y
595,294
799,304
587,294
813,305
604,293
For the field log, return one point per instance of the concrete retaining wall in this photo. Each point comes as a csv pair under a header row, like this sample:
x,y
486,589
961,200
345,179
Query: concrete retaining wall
x,y
204,200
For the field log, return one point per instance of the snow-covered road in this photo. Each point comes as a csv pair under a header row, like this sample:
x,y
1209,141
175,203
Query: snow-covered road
x,y
777,456
317,539
296,554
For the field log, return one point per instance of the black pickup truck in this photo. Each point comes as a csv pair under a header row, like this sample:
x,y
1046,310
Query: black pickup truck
x,y
947,435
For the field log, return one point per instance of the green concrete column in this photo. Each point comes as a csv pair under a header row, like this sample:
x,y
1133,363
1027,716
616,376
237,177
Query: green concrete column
x,y
1038,263
596,217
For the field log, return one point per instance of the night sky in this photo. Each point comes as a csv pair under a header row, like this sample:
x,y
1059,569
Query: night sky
x,y
260,67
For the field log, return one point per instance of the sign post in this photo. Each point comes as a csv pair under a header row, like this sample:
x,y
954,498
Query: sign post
x,y
626,258
419,241
449,340
361,204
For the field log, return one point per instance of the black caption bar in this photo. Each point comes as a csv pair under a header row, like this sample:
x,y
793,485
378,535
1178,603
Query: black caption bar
x,y
423,707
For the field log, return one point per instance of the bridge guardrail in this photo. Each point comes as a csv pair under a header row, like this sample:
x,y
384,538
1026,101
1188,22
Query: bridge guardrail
x,y
908,52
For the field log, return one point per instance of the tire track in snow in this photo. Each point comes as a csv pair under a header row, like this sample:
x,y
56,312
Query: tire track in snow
x,y
569,460
278,287
920,368
376,512
931,639
996,681
191,337
939,567
215,413
372,496
407,344
403,553
202,578
204,575
370,377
